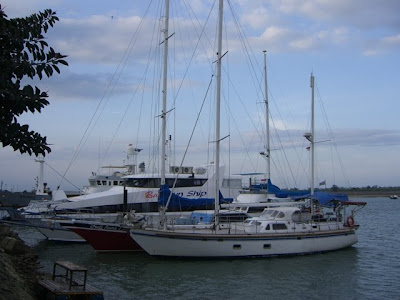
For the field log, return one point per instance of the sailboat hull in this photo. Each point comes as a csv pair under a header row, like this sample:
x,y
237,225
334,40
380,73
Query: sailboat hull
x,y
177,244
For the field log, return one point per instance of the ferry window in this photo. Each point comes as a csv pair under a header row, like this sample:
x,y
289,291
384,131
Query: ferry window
x,y
279,226
104,182
115,182
185,182
98,182
274,214
237,247
143,182
267,228
267,246
109,183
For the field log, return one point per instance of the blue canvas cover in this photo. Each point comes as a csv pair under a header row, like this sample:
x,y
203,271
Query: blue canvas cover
x,y
178,203
273,189
326,199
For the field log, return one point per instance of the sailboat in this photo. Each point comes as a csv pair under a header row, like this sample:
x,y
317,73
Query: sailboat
x,y
277,231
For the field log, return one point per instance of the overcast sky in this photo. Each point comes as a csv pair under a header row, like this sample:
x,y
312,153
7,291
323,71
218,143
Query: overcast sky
x,y
109,95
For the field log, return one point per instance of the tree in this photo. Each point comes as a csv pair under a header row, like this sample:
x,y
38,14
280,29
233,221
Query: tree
x,y
24,53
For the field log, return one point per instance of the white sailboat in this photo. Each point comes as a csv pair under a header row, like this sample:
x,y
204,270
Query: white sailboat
x,y
278,231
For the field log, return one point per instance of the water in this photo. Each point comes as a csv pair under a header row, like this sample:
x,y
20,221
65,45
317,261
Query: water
x,y
368,270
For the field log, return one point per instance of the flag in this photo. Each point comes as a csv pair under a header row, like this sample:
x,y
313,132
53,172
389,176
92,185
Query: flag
x,y
323,182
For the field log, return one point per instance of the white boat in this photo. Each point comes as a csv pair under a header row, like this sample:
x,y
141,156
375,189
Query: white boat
x,y
103,182
142,191
393,197
291,235
277,232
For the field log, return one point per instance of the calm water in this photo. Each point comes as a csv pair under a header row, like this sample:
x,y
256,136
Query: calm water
x,y
368,270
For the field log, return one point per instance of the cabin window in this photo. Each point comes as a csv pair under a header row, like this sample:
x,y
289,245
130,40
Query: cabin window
x,y
273,215
267,246
104,182
279,226
185,182
255,209
267,227
98,182
115,182
237,247
281,215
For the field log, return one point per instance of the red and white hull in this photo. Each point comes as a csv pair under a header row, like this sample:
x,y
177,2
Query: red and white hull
x,y
105,237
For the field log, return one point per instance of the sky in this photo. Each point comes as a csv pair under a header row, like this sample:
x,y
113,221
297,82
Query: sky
x,y
110,94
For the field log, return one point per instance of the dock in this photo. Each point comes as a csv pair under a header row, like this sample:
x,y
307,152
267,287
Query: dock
x,y
68,281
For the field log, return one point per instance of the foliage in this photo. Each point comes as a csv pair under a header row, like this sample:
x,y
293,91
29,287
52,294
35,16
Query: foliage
x,y
24,53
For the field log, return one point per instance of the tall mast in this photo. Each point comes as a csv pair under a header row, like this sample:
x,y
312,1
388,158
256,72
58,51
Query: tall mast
x,y
312,133
267,146
217,110
164,92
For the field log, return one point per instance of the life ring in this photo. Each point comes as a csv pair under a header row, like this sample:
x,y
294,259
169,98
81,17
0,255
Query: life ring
x,y
350,221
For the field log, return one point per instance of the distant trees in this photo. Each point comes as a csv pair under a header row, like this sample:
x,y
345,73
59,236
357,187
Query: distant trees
x,y
24,53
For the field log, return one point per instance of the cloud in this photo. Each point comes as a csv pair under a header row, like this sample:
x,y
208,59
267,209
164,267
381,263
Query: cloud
x,y
382,45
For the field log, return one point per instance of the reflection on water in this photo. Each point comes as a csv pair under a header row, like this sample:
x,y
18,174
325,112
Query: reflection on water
x,y
364,271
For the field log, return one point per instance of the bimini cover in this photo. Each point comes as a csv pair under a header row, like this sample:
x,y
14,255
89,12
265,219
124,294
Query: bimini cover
x,y
179,203
273,189
326,199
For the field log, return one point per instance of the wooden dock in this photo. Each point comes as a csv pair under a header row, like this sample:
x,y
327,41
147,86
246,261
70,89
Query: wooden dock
x,y
65,286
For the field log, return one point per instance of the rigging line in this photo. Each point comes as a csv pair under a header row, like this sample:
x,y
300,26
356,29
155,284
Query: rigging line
x,y
129,104
240,136
81,143
191,59
331,136
202,27
61,176
247,49
253,69
199,42
284,152
257,85
190,62
292,143
190,139
242,103
123,63
127,54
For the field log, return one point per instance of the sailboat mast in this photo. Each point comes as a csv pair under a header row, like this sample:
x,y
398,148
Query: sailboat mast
x,y
312,134
164,96
217,110
267,146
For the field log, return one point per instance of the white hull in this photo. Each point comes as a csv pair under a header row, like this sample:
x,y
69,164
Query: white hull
x,y
178,244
